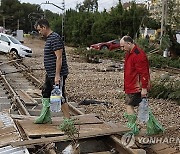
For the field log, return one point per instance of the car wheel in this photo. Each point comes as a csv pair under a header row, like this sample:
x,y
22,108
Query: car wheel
x,y
14,54
104,47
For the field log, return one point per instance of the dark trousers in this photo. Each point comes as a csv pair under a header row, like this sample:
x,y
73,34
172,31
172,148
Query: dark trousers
x,y
48,87
133,99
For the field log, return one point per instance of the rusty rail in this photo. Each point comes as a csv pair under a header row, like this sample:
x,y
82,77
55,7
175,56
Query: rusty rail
x,y
19,103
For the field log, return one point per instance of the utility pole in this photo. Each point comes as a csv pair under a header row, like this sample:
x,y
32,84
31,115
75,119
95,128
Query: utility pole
x,y
164,18
63,15
18,24
4,22
166,10
63,19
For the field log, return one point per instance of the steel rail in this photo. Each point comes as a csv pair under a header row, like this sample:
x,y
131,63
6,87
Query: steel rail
x,y
32,78
16,98
168,69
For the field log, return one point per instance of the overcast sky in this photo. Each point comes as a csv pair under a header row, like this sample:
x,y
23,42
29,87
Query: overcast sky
x,y
71,4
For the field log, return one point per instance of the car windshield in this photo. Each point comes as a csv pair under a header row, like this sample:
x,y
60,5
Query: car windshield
x,y
114,41
117,41
15,41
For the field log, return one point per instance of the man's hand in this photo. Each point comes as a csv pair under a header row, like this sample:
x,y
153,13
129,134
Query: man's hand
x,y
143,92
57,80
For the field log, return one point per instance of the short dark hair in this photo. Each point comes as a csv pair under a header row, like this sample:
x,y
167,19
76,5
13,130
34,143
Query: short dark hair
x,y
41,23
128,39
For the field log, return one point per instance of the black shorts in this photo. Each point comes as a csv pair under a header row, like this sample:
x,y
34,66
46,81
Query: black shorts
x,y
133,99
48,87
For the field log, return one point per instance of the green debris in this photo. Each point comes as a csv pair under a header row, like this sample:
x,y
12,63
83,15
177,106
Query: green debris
x,y
166,89
68,127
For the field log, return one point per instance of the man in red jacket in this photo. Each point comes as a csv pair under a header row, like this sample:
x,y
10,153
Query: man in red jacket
x,y
136,78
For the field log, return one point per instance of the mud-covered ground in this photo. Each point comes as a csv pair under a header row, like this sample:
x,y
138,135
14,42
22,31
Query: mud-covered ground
x,y
91,81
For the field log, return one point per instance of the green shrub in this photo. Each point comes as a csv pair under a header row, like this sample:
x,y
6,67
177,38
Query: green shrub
x,y
159,61
68,127
166,89
145,44
101,54
165,43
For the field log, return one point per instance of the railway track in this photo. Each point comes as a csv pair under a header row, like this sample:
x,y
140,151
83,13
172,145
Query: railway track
x,y
168,69
23,91
21,97
119,67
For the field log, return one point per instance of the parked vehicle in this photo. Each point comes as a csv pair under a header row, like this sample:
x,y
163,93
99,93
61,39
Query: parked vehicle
x,y
34,33
9,44
178,37
110,45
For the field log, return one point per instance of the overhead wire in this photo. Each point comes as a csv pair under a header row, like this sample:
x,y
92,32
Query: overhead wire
x,y
101,5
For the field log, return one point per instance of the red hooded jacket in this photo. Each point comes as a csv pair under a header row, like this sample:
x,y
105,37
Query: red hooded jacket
x,y
136,71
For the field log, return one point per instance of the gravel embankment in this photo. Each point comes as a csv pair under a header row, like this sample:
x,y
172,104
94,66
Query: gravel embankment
x,y
90,81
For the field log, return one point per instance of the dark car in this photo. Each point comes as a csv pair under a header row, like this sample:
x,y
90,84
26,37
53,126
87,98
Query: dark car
x,y
110,45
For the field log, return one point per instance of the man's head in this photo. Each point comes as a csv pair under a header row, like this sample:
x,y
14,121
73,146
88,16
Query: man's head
x,y
126,43
42,26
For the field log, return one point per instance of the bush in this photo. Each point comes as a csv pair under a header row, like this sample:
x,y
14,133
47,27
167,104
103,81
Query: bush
x,y
144,44
166,42
101,54
166,89
159,61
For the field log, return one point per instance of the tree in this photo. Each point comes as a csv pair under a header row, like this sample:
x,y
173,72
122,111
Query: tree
x,y
10,13
16,14
88,6
174,14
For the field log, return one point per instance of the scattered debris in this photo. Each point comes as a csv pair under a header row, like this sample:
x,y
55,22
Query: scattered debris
x,y
88,102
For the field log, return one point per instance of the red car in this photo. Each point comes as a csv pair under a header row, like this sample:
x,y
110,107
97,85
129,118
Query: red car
x,y
111,45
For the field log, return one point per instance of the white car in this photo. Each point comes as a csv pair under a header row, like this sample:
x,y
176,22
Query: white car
x,y
9,44
178,37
